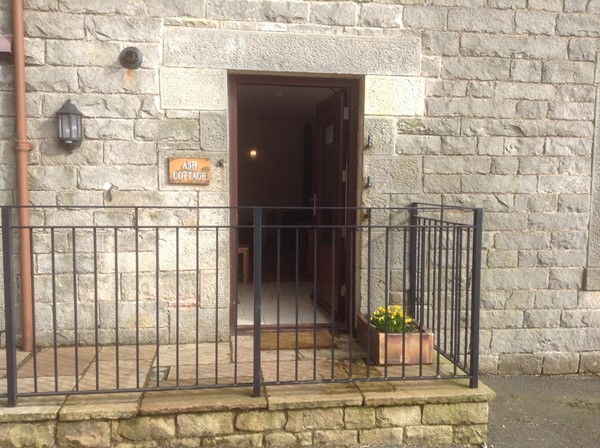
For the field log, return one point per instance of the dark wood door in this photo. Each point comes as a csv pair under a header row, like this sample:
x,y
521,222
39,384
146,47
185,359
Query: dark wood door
x,y
329,194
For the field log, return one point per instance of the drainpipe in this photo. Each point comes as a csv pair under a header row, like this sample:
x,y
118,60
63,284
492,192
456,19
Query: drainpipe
x,y
22,148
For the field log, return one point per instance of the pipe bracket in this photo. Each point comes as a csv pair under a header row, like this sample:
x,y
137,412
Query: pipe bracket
x,y
23,146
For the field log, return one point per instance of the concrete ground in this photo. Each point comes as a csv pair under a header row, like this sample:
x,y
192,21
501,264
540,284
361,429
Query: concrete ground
x,y
544,412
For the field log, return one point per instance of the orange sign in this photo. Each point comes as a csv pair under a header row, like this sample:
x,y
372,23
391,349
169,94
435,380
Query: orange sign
x,y
183,170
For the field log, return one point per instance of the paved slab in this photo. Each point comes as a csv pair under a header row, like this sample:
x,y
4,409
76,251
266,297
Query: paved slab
x,y
548,412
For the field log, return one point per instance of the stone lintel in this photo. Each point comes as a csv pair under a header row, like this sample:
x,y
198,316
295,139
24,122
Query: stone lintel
x,y
292,53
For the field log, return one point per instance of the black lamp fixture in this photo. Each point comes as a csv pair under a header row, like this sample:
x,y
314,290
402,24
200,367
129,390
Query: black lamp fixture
x,y
70,125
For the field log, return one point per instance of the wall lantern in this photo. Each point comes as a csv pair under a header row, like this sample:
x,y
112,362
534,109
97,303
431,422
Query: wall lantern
x,y
70,125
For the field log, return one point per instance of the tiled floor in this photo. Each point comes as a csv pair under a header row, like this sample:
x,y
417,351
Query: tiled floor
x,y
290,299
193,365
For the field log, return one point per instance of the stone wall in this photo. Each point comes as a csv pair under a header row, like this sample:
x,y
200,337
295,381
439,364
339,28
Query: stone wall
x,y
485,103
433,424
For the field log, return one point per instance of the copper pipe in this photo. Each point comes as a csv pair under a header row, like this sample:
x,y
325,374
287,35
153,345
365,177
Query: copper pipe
x,y
22,148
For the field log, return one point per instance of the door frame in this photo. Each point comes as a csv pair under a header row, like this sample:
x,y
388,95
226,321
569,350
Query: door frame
x,y
353,85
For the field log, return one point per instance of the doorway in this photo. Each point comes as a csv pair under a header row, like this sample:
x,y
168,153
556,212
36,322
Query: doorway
x,y
294,155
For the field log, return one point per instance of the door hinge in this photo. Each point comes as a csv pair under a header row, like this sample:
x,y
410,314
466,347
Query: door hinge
x,y
343,290
344,176
346,113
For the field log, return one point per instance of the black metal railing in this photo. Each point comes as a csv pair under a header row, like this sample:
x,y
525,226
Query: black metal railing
x,y
152,298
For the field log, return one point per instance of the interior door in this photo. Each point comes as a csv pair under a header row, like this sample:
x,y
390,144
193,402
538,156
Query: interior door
x,y
329,194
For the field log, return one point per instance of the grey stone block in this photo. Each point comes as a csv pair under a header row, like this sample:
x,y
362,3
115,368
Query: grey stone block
x,y
136,29
480,20
380,15
289,11
51,79
440,43
123,177
499,184
291,53
117,80
590,362
470,107
514,279
52,25
417,144
456,165
534,22
173,130
476,68
501,319
109,129
394,175
568,72
425,17
382,131
129,8
560,363
429,126
213,131
578,25
192,88
526,70
541,318
334,13
186,8
545,5
528,364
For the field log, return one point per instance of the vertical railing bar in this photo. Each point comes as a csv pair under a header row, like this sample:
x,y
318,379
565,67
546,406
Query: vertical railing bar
x,y
96,304
116,248
137,298
468,287
452,289
404,268
216,330
75,313
157,289
386,295
54,316
422,274
369,254
457,304
34,332
427,255
197,310
447,273
314,297
350,299
315,277
278,297
9,309
297,298
413,260
257,279
477,246
177,306
441,285
333,307
450,308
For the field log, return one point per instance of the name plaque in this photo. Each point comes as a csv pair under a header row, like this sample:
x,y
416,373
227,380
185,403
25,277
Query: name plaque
x,y
184,170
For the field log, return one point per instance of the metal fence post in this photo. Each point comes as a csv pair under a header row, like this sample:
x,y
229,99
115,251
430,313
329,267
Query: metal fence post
x,y
257,279
413,259
9,312
475,295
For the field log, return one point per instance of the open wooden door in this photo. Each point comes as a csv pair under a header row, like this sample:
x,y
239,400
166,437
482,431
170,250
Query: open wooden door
x,y
329,195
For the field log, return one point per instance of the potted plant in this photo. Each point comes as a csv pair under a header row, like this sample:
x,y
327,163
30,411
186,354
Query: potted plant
x,y
406,341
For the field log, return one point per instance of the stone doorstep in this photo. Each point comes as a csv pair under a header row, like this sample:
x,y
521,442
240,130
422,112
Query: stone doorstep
x,y
426,413
285,397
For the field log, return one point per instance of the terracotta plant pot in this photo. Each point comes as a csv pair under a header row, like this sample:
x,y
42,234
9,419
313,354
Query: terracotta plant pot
x,y
417,347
